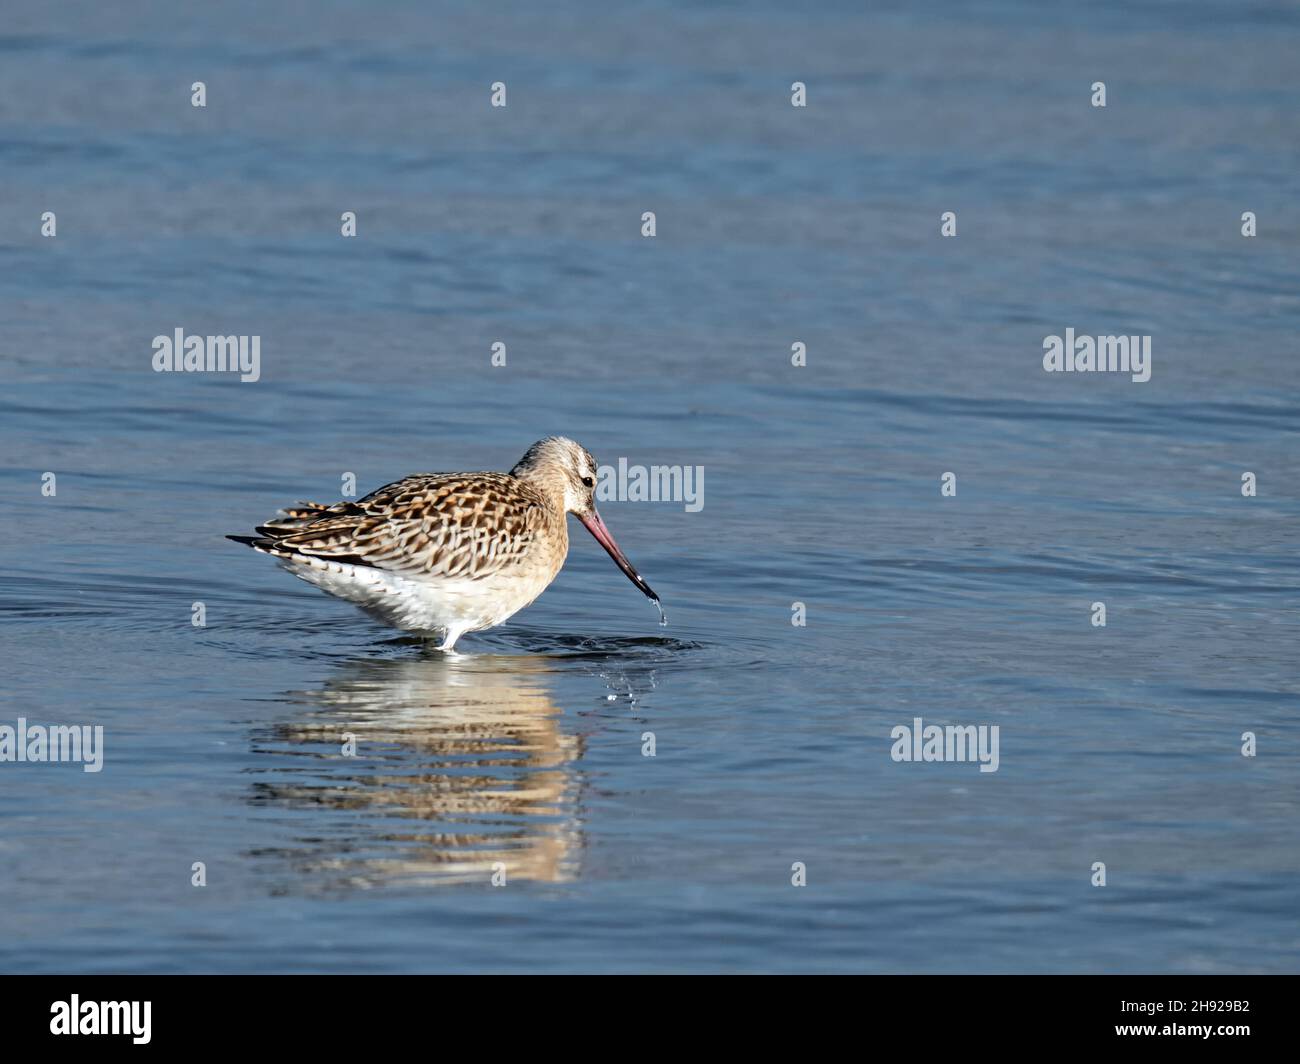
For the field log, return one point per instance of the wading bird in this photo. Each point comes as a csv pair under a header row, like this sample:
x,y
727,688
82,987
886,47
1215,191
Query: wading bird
x,y
443,554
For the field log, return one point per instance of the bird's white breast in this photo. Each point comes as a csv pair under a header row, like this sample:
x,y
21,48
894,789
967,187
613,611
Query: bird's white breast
x,y
424,605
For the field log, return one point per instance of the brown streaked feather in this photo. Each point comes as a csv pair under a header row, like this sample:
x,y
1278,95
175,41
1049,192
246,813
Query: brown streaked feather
x,y
458,525
292,518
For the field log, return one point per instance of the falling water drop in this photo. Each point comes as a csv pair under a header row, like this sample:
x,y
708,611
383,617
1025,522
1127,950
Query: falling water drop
x,y
663,617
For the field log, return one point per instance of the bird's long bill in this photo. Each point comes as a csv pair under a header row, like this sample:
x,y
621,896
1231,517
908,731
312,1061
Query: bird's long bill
x,y
597,528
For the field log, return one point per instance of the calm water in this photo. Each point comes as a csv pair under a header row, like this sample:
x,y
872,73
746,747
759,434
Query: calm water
x,y
775,224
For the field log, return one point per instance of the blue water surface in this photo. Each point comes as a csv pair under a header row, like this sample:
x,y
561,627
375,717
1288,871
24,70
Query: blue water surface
x,y
775,225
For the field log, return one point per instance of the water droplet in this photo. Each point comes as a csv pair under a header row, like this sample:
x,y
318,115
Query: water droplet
x,y
663,617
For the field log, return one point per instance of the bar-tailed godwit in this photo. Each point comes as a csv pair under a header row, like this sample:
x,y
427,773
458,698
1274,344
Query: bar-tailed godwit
x,y
448,553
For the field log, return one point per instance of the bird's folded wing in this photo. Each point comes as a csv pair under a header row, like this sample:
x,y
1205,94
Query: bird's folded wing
x,y
454,525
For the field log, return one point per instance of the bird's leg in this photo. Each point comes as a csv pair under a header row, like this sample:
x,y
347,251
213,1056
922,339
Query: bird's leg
x,y
449,640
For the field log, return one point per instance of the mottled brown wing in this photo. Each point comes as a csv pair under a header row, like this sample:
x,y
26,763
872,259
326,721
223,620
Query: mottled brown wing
x,y
297,516
466,525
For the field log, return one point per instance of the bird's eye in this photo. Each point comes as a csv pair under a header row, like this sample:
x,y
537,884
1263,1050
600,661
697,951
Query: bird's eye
x,y
588,482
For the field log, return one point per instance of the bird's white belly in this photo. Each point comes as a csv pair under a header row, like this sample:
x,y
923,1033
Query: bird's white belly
x,y
436,605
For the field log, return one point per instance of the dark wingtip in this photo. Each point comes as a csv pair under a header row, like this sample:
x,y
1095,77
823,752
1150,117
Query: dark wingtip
x,y
248,541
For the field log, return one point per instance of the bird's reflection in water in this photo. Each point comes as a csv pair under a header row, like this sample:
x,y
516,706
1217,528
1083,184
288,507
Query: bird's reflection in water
x,y
462,770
